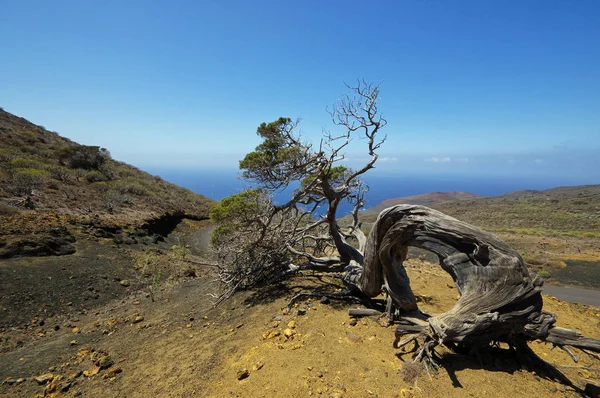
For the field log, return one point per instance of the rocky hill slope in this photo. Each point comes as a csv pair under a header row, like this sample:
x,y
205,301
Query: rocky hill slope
x,y
52,187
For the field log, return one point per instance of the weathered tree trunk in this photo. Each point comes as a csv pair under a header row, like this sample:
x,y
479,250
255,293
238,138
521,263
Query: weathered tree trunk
x,y
499,300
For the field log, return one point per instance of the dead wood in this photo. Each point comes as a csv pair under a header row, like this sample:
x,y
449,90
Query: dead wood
x,y
499,300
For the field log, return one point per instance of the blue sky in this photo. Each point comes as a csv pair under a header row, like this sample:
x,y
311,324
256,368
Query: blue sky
x,y
501,87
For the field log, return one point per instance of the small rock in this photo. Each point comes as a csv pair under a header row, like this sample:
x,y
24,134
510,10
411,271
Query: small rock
x,y
113,371
105,362
75,375
57,327
125,283
138,319
301,311
64,387
50,388
41,322
74,342
75,330
45,378
292,324
352,338
91,371
288,333
271,334
10,382
324,300
258,366
353,322
243,374
319,374
278,318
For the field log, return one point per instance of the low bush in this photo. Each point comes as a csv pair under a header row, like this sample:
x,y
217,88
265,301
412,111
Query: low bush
x,y
95,176
84,157
24,181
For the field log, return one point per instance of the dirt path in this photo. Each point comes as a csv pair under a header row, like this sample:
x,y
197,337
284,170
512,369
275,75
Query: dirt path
x,y
573,294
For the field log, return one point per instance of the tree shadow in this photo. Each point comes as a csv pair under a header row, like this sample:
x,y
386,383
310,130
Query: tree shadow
x,y
316,285
496,359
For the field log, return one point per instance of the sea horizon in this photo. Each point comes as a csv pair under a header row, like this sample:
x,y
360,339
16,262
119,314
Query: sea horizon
x,y
220,183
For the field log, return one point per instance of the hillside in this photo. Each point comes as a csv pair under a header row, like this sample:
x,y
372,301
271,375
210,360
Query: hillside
x,y
49,183
549,228
428,199
567,211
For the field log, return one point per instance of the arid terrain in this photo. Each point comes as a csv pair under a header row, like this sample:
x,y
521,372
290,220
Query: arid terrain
x,y
108,294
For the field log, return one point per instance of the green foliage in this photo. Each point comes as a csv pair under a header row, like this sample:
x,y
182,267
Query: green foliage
x,y
83,157
63,174
95,176
22,163
544,274
279,159
239,206
24,181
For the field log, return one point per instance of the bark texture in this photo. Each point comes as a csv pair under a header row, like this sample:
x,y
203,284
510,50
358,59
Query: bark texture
x,y
499,300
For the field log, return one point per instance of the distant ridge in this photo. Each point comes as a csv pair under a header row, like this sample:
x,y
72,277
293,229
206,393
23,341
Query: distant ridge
x,y
427,199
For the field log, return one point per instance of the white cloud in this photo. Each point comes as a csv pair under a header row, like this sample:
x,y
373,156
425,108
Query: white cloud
x,y
447,160
388,159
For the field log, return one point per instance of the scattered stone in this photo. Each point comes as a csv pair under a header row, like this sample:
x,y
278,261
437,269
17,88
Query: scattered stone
x,y
239,326
125,283
10,382
278,318
271,334
105,362
50,388
243,374
288,333
113,372
138,319
64,387
258,366
75,375
41,322
45,378
292,324
352,338
91,371
75,330
319,374
324,300
137,302
301,311
353,322
74,342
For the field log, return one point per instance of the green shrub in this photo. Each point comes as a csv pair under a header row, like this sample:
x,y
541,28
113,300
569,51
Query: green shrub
x,y
84,157
95,176
63,174
22,163
133,186
24,181
544,274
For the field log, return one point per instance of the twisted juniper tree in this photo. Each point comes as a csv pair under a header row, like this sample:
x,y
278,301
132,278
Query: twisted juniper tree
x,y
258,240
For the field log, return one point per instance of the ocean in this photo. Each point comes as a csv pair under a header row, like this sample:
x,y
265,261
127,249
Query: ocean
x,y
217,184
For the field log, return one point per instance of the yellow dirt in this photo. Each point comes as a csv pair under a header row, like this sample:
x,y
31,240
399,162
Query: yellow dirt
x,y
183,349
